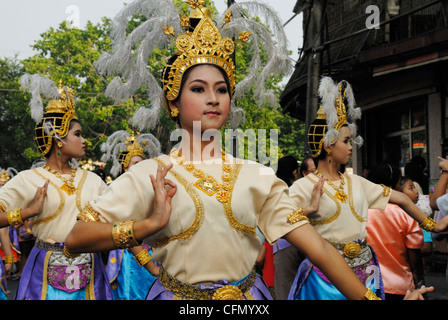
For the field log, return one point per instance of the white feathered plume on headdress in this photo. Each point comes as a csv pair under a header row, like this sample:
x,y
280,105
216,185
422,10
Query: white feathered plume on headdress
x,y
129,57
328,93
116,143
38,86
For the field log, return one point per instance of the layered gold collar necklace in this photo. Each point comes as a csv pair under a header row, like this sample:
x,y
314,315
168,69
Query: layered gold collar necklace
x,y
340,194
68,185
206,182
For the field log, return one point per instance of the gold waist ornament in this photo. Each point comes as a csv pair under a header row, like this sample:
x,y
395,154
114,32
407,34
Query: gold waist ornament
x,y
352,249
192,292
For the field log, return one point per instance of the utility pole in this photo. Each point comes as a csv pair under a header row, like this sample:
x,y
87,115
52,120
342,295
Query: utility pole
x,y
314,36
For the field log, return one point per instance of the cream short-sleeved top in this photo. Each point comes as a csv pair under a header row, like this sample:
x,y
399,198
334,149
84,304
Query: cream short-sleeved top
x,y
60,209
336,221
205,240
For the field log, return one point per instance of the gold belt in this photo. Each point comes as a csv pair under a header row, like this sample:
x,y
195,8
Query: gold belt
x,y
352,249
191,292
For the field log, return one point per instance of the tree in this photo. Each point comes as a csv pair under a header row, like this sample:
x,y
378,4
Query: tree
x,y
16,126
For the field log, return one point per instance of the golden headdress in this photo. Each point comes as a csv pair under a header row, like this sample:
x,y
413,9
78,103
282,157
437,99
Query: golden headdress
x,y
337,109
198,40
200,43
121,146
59,112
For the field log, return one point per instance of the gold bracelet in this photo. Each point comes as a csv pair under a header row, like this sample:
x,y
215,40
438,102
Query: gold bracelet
x,y
123,234
9,259
296,216
14,218
143,257
428,224
370,295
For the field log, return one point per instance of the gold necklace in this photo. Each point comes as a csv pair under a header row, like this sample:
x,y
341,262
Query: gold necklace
x,y
340,194
206,182
68,185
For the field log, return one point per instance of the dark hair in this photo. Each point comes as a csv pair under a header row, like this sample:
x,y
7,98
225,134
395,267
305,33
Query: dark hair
x,y
286,167
384,173
304,164
401,181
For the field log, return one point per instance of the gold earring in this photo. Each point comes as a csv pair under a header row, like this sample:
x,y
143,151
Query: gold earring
x,y
59,144
174,112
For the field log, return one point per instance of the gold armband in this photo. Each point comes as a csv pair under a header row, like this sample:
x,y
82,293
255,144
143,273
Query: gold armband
x,y
9,259
14,218
370,295
88,214
123,234
143,257
296,216
428,224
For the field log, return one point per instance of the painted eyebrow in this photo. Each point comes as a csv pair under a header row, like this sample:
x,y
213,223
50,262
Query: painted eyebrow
x,y
205,82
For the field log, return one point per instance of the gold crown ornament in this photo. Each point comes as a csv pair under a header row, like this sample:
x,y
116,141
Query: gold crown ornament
x,y
121,146
197,39
337,109
60,110
200,43
4,176
133,148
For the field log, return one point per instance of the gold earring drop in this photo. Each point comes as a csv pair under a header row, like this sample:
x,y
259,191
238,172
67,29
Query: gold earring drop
x,y
60,144
174,112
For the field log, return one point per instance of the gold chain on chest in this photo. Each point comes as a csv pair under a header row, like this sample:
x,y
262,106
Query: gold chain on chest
x,y
340,194
206,182
68,186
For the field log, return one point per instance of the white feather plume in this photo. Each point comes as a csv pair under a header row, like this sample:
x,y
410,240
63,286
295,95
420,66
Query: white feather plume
x,y
130,52
38,86
328,92
116,143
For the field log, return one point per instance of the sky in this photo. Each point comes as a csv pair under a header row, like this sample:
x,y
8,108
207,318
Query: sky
x,y
22,21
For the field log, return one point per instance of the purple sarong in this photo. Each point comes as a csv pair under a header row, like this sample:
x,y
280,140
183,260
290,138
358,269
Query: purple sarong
x,y
32,285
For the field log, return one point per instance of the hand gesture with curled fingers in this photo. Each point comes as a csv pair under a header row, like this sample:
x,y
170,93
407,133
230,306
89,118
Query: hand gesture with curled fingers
x,y
162,196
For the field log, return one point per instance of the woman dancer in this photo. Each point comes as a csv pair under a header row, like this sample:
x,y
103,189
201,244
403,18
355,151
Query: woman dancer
x,y
130,271
342,215
204,205
50,197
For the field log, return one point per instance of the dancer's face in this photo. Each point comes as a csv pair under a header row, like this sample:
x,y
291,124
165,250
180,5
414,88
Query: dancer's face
x,y
205,98
341,151
75,144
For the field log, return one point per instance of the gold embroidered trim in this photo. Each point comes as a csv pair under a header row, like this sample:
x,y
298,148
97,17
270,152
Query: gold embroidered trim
x,y
350,200
79,189
338,205
386,191
88,214
296,216
2,207
228,207
58,210
199,206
